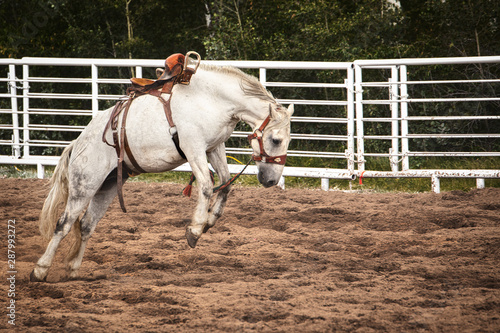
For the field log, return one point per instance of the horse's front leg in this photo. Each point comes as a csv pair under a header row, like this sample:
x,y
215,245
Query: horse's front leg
x,y
218,160
200,216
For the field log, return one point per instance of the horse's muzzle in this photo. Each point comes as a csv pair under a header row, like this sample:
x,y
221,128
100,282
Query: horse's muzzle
x,y
265,180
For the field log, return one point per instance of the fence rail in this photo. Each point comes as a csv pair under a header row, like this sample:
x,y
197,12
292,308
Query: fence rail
x,y
389,108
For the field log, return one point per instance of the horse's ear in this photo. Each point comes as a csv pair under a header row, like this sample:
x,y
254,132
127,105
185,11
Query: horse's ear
x,y
272,112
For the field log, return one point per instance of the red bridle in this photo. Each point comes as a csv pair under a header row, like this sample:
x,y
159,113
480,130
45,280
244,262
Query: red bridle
x,y
264,157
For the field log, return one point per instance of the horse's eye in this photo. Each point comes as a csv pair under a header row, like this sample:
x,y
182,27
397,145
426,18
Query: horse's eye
x,y
276,142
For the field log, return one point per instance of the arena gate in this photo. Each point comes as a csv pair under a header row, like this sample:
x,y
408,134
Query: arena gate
x,y
360,108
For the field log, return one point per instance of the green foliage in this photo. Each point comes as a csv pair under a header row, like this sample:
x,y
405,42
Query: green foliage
x,y
100,28
319,30
303,31
451,28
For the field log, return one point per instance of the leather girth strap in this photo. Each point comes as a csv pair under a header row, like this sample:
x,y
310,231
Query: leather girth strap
x,y
175,72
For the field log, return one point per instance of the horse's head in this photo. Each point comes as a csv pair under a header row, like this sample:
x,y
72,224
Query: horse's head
x,y
270,143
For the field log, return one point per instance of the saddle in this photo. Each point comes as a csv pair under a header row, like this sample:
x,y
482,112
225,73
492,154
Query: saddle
x,y
178,70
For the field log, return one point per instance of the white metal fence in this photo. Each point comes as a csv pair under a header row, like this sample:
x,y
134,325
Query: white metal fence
x,y
25,85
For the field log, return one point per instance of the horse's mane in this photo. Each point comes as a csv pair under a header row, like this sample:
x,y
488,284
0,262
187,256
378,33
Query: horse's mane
x,y
252,87
249,84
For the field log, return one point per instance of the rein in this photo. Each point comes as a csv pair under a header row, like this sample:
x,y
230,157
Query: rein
x,y
262,157
187,190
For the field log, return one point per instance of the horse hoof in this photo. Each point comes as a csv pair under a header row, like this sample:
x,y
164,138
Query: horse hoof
x,y
192,239
34,278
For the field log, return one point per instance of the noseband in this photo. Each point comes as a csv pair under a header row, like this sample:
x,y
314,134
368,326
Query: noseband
x,y
264,157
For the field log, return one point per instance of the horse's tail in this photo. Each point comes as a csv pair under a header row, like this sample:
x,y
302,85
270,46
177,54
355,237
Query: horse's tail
x,y
58,195
56,202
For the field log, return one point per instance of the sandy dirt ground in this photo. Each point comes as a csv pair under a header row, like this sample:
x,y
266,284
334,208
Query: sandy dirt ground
x,y
277,261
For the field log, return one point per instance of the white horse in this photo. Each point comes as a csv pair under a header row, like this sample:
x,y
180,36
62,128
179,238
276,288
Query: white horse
x,y
205,113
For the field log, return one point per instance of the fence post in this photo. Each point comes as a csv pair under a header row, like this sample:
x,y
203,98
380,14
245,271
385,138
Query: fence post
x,y
26,116
16,148
404,121
281,183
325,184
394,96
262,76
435,183
350,119
359,117
138,71
95,89
40,170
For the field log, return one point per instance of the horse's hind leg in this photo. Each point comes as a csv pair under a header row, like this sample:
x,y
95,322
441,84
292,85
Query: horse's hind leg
x,y
96,210
76,179
73,209
218,160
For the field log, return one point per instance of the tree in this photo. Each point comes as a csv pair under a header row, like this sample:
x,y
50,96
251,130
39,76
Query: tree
x,y
100,28
435,28
317,30
302,30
